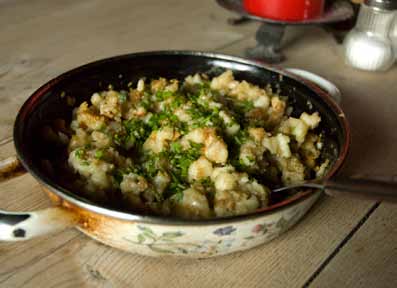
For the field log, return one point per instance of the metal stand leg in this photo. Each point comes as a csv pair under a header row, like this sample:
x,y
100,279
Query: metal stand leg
x,y
238,21
338,35
268,46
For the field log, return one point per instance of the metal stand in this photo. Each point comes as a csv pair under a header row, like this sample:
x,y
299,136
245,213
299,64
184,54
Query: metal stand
x,y
268,46
271,32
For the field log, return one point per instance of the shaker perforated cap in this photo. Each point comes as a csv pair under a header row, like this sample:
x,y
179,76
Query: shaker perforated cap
x,y
382,4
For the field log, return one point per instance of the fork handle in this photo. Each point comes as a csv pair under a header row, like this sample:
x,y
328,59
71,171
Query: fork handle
x,y
362,188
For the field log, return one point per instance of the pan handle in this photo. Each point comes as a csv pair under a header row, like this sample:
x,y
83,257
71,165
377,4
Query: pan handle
x,y
16,226
362,188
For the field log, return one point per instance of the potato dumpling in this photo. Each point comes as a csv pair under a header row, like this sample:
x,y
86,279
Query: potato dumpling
x,y
196,148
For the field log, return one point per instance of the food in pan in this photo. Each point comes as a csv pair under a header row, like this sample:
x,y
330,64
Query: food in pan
x,y
197,148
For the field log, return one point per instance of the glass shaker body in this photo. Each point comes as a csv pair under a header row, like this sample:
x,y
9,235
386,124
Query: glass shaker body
x,y
393,34
368,45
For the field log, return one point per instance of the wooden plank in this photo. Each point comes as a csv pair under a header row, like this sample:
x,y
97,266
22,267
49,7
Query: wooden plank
x,y
7,148
27,11
369,259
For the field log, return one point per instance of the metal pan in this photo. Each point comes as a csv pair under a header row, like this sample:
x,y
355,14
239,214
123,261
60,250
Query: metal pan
x,y
153,235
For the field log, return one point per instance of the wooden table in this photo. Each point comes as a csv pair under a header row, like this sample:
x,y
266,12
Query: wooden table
x,y
341,242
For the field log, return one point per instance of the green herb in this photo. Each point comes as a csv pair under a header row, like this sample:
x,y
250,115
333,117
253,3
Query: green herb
x,y
133,133
241,137
204,88
179,195
251,159
145,103
239,164
176,187
195,149
87,146
118,176
102,129
184,165
181,160
156,121
79,152
136,131
204,116
177,162
247,105
151,164
177,101
118,139
231,124
123,96
99,154
165,118
176,147
163,95
242,107
207,184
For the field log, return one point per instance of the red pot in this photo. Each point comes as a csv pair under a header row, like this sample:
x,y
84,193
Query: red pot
x,y
285,9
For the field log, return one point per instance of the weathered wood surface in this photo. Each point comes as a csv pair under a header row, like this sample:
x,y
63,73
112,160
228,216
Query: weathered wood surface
x,y
41,39
369,259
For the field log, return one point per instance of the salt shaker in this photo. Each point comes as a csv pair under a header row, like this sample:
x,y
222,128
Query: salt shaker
x,y
393,35
368,46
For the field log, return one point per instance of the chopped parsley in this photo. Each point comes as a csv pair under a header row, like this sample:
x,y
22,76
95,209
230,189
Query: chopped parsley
x,y
244,106
166,118
163,95
241,137
133,133
123,96
118,176
79,153
178,162
99,154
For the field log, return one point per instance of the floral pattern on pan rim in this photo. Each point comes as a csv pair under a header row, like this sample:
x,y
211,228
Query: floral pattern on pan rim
x,y
201,241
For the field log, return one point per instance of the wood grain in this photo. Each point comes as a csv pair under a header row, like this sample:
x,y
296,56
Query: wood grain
x,y
369,259
7,149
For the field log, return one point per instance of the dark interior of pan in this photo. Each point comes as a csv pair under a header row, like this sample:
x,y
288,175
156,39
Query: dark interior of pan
x,y
50,102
